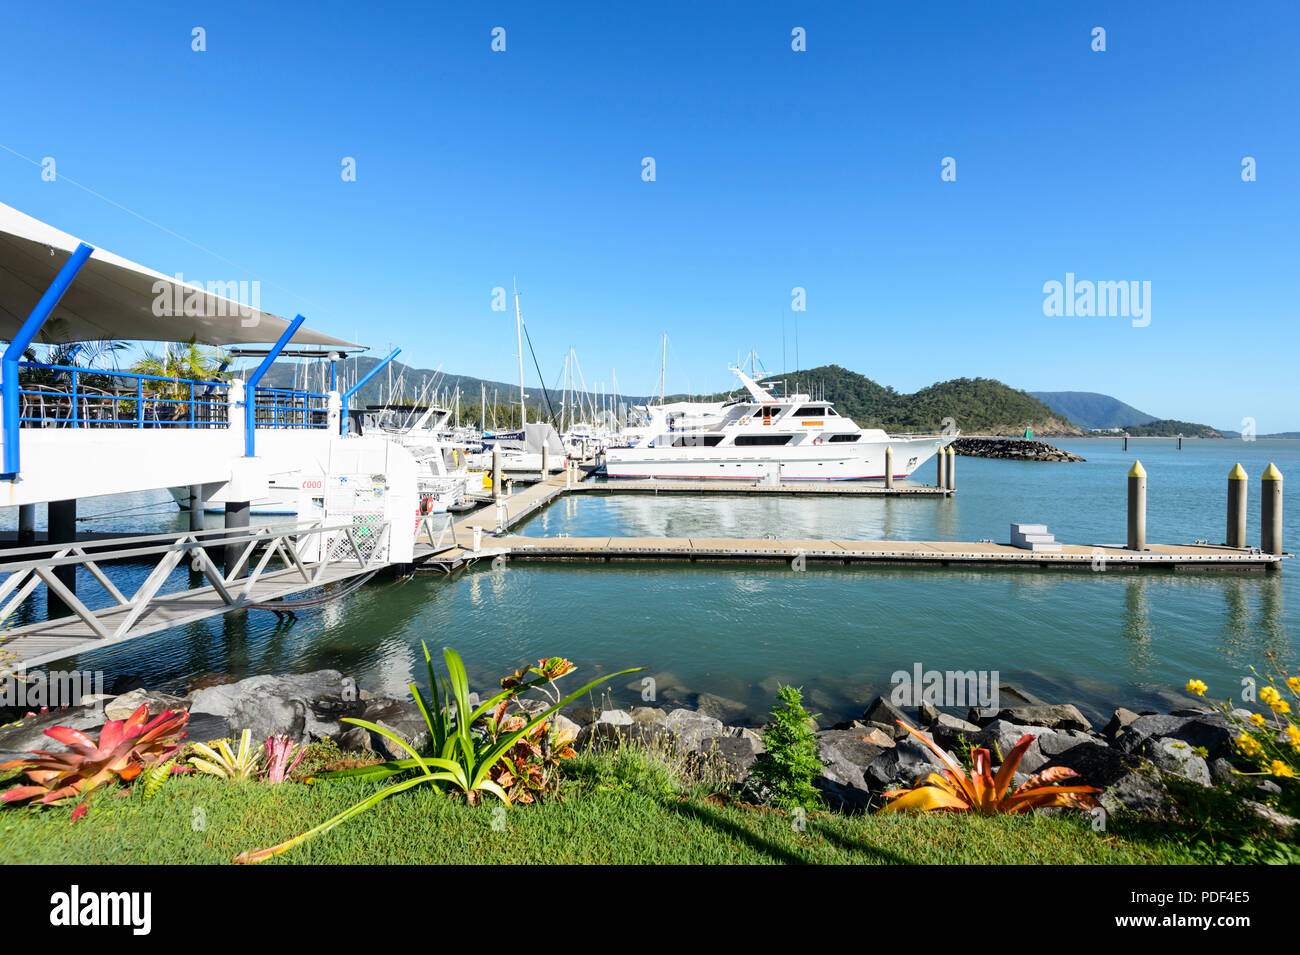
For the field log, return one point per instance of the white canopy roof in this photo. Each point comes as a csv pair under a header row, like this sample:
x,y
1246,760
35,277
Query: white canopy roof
x,y
115,298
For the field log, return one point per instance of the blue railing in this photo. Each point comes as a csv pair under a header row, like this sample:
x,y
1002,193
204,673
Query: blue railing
x,y
73,397
282,408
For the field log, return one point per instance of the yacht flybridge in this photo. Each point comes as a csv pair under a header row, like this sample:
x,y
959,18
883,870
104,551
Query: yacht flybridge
x,y
791,437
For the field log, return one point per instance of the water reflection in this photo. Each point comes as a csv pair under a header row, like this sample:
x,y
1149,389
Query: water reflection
x,y
1137,623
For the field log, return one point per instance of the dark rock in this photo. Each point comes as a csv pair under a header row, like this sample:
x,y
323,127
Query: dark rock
x,y
948,730
1174,756
736,753
1119,723
355,739
908,761
204,728
279,704
649,714
401,717
1211,732
927,713
1010,694
1128,781
584,714
120,707
29,735
886,713
1063,716
692,728
846,757
720,708
1001,736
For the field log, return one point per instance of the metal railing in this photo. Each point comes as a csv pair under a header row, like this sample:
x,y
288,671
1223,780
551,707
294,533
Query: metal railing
x,y
28,567
73,397
438,541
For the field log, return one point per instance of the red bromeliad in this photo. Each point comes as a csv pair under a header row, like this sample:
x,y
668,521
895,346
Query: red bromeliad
x,y
124,749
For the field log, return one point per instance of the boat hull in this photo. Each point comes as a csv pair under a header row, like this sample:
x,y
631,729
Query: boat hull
x,y
861,461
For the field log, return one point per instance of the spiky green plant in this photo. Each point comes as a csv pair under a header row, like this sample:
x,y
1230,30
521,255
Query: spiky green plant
x,y
466,755
225,764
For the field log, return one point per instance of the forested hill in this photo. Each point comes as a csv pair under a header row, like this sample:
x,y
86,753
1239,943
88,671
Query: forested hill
x,y
976,405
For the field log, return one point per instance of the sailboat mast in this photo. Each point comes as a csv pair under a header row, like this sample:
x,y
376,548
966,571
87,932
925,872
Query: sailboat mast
x,y
519,337
663,369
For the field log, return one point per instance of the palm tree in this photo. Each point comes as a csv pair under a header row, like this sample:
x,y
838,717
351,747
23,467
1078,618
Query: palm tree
x,y
188,363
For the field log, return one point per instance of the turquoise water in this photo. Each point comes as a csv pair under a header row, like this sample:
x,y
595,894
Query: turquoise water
x,y
1100,639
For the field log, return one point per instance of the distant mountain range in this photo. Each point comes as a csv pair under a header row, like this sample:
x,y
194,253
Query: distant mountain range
x,y
1090,410
975,405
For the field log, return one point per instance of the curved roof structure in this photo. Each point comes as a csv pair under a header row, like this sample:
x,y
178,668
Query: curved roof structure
x,y
114,298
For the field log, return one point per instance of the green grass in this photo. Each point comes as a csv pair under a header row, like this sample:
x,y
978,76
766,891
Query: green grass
x,y
620,808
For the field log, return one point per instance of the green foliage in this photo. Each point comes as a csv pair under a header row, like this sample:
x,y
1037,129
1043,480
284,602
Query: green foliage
x,y
475,751
1171,428
787,769
222,762
152,778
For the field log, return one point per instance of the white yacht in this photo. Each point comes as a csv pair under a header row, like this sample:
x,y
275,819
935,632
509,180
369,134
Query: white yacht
x,y
767,436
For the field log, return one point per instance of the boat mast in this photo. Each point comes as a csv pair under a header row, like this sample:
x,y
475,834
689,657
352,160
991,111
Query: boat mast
x,y
519,337
663,369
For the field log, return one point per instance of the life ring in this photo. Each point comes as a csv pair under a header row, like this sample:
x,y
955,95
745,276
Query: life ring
x,y
817,441
427,507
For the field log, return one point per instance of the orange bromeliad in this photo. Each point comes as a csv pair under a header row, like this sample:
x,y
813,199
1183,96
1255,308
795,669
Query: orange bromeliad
x,y
980,791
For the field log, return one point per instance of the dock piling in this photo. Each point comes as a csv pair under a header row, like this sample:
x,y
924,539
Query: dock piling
x,y
546,461
941,479
236,520
1270,510
61,528
952,467
1237,485
196,507
889,466
26,525
1137,507
496,472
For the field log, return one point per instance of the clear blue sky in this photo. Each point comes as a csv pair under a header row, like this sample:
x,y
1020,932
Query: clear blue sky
x,y
775,169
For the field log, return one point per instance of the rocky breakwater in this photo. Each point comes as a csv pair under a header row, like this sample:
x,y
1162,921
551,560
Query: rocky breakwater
x,y
1134,758
1012,449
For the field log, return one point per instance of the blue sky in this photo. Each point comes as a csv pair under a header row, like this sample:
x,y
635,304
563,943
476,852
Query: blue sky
x,y
774,169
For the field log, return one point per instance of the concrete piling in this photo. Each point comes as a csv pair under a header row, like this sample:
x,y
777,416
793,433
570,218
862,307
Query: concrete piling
x,y
952,468
26,525
941,460
1137,507
1237,485
61,528
236,520
546,461
496,472
1270,510
196,507
889,465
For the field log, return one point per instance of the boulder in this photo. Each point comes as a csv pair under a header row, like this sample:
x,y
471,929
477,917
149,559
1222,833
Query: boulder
x,y
845,754
902,765
691,728
585,714
616,717
120,707
927,713
28,735
1119,723
884,712
1127,781
1061,716
755,738
305,706
1212,732
736,753
401,717
649,714
947,730
1000,737
1174,756
720,707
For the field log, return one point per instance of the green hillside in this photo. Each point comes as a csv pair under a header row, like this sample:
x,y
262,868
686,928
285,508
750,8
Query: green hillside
x,y
1170,428
975,405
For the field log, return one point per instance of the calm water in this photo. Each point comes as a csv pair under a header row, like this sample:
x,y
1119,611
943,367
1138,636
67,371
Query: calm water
x,y
1096,638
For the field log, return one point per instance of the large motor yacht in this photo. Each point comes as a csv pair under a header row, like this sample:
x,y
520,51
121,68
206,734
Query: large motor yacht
x,y
791,437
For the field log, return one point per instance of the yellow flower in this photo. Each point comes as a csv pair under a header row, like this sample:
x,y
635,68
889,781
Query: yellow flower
x,y
1258,719
1293,734
1268,695
1280,768
1196,686
1281,706
1248,745
1294,683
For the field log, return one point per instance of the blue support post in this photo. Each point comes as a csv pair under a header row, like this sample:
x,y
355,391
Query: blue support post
x,y
250,393
26,335
347,395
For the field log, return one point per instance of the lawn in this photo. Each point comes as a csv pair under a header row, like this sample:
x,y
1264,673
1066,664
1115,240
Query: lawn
x,y
616,810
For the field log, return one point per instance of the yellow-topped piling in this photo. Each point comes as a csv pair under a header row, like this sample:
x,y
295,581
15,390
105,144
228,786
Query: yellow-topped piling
x,y
1270,510
889,465
1137,507
1237,485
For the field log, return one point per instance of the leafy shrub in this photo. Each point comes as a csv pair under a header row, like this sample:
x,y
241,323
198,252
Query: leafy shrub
x,y
787,769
